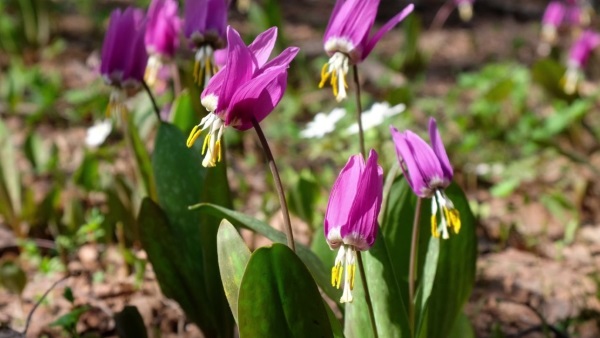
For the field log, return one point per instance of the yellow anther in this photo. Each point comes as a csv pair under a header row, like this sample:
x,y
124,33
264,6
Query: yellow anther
x,y
196,70
324,75
453,217
193,136
351,272
334,78
218,150
336,275
434,230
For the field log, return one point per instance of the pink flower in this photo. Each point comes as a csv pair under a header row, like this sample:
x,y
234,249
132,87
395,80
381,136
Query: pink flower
x,y
347,39
162,35
245,91
124,57
578,56
205,23
351,217
428,171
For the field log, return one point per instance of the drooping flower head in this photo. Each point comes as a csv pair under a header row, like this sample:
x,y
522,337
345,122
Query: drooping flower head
x,y
578,56
465,9
204,26
124,57
162,35
562,13
351,217
428,171
244,91
347,39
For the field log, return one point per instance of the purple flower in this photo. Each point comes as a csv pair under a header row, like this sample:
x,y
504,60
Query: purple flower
x,y
162,35
552,19
351,217
205,26
428,171
347,39
124,57
246,89
578,56
465,9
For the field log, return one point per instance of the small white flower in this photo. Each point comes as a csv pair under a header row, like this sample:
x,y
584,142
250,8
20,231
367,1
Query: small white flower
x,y
323,124
376,115
97,134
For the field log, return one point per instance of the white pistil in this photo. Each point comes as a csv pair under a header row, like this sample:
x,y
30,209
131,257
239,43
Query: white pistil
x,y
443,206
152,69
203,63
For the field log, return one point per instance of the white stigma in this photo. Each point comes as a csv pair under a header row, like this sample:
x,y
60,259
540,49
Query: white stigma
x,y
338,64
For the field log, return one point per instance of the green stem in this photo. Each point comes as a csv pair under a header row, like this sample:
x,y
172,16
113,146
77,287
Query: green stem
x,y
361,134
414,244
156,109
278,186
363,277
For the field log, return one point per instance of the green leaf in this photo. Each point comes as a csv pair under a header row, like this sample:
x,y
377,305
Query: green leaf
x,y
455,272
388,302
549,74
10,180
69,320
130,324
279,298
88,175
182,112
455,275
303,197
180,182
316,267
142,159
12,277
68,295
462,328
233,257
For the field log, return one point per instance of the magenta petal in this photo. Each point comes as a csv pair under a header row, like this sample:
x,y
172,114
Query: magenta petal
x,y
110,41
554,14
196,13
263,45
342,197
353,21
411,169
216,20
163,26
361,228
256,98
440,150
238,69
214,84
386,28
283,59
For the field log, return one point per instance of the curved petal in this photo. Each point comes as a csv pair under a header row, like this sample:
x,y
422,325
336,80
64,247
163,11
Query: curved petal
x,y
283,59
386,28
110,40
361,228
342,196
196,13
263,44
216,18
138,57
405,149
237,71
256,98
440,150
353,21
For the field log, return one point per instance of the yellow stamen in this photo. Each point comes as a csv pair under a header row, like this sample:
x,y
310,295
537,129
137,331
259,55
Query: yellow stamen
x,y
453,217
218,150
351,272
324,75
336,275
196,70
193,136
434,230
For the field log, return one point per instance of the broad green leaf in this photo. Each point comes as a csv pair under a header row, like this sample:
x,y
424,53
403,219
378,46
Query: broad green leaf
x,y
233,257
142,159
130,324
10,180
549,74
180,182
12,277
455,272
279,298
168,259
427,280
462,328
182,112
388,302
303,197
316,267
455,275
